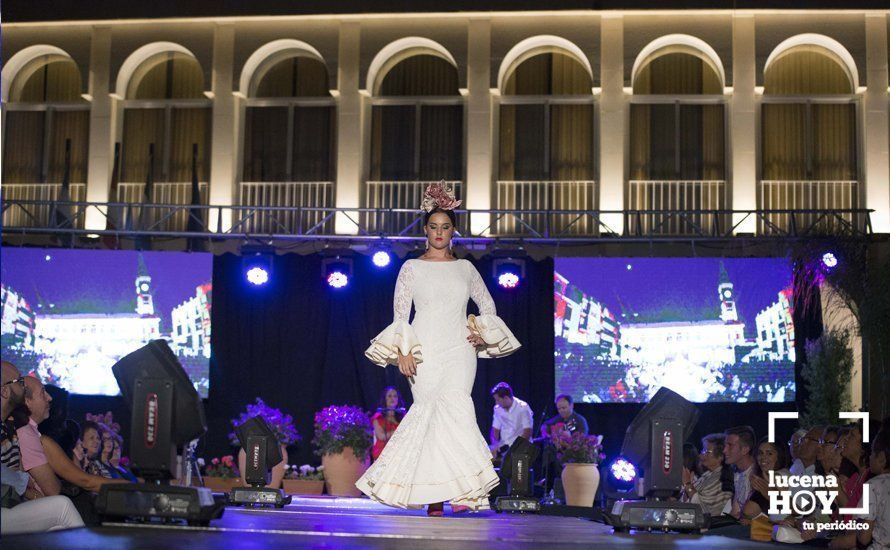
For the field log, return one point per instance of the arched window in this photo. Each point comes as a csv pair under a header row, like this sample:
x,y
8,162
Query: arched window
x,y
677,145
165,111
416,137
44,111
546,151
289,141
808,135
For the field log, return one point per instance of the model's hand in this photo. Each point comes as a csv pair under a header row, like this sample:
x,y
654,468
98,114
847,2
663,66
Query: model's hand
x,y
476,341
407,365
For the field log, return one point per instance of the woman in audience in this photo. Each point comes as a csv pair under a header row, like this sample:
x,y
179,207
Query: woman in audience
x,y
713,489
110,456
386,419
851,469
770,457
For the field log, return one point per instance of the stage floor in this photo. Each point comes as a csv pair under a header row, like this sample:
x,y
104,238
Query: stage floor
x,y
330,522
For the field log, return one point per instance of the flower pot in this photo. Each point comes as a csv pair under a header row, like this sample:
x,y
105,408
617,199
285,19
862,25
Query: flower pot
x,y
580,482
303,486
219,484
341,471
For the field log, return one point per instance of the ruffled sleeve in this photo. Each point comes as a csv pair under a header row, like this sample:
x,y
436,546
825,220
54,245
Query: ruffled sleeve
x,y
398,337
499,340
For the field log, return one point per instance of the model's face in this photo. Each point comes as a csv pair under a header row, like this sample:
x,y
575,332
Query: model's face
x,y
39,400
439,231
767,457
91,441
392,399
564,408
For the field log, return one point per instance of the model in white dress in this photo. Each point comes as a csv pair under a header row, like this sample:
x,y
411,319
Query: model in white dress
x,y
437,454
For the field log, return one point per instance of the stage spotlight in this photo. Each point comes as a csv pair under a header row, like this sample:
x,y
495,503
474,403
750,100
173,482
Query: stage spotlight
x,y
829,260
336,271
257,276
509,272
381,258
623,470
256,264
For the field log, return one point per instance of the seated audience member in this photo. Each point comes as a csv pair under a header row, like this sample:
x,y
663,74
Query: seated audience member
x,y
827,460
794,447
770,457
739,451
808,452
31,516
713,489
690,459
877,535
42,457
853,471
58,426
110,456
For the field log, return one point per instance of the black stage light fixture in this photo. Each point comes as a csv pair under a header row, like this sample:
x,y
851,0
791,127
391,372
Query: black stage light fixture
x,y
166,412
336,270
516,472
257,264
262,452
654,441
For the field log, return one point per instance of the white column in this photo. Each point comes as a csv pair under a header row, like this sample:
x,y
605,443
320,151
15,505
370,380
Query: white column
x,y
613,129
223,144
479,122
743,123
877,170
101,147
349,127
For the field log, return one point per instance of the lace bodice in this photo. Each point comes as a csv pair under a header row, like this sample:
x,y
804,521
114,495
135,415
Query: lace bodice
x,y
445,285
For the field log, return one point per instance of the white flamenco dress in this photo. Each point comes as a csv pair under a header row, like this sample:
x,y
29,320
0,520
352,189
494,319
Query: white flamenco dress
x,y
437,453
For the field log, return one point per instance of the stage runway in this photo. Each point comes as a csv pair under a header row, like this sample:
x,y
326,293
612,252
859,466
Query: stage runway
x,y
328,522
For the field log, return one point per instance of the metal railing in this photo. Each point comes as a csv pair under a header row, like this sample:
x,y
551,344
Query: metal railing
x,y
401,200
289,194
817,195
662,200
546,196
170,193
40,214
210,222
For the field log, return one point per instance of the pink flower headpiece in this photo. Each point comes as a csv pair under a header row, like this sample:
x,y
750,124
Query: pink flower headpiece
x,y
439,195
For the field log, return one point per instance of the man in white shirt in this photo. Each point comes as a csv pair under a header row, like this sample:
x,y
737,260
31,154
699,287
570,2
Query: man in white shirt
x,y
512,418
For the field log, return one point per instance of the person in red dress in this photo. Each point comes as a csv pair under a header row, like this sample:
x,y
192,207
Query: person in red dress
x,y
386,419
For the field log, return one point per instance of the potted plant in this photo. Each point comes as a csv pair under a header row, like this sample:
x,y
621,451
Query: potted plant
x,y
343,441
283,426
221,474
579,454
303,480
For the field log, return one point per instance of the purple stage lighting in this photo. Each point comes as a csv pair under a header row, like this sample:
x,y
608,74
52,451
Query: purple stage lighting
x,y
622,470
381,258
337,279
257,276
829,260
508,279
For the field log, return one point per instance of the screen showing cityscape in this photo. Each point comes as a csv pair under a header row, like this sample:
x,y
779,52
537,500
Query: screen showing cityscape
x,y
69,315
711,329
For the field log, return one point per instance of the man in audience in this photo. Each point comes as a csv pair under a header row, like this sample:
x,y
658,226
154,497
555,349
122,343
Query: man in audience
x,y
808,452
738,451
512,418
32,516
794,445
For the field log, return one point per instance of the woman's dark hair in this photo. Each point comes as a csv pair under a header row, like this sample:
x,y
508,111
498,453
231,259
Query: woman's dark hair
x,y
450,213
782,461
690,458
399,405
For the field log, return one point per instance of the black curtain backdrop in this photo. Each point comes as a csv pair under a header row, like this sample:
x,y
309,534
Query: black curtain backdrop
x,y
299,345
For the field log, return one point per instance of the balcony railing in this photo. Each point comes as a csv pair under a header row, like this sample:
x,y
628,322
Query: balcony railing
x,y
133,193
44,213
290,194
405,195
809,195
546,196
675,207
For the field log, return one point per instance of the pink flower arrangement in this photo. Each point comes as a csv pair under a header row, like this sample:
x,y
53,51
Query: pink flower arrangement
x,y
439,195
222,467
578,448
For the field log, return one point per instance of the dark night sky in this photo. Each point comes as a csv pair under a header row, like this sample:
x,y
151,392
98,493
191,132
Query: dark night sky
x,y
102,276
65,10
654,282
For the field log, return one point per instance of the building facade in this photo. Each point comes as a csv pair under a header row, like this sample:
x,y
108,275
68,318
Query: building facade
x,y
626,115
